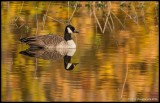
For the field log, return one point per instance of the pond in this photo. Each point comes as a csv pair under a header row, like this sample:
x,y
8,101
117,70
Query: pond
x,y
116,55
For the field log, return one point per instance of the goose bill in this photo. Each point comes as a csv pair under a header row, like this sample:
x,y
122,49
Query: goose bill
x,y
76,31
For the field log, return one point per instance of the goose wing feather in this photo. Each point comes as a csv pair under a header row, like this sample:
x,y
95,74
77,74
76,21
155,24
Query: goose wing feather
x,y
43,40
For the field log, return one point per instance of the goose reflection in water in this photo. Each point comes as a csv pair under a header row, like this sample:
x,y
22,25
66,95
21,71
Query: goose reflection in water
x,y
52,54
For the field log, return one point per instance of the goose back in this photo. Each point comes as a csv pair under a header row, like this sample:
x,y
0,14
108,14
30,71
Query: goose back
x,y
45,41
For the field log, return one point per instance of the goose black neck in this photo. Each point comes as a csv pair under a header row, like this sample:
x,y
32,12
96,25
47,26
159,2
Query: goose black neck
x,y
67,59
67,36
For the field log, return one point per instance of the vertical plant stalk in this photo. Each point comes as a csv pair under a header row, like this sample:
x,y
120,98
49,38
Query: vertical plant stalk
x,y
118,19
16,25
8,5
35,73
44,17
69,20
112,22
156,11
96,17
19,12
111,30
136,16
107,17
37,22
109,24
36,35
106,20
21,7
68,11
124,19
96,28
90,8
142,12
124,81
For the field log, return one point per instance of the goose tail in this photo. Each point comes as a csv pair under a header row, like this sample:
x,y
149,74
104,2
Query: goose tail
x,y
23,40
29,39
27,53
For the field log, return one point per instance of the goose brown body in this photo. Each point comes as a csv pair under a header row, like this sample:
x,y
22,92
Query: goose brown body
x,y
46,41
52,41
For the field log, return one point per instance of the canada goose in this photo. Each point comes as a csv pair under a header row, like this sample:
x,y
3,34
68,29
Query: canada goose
x,y
52,54
52,41
67,63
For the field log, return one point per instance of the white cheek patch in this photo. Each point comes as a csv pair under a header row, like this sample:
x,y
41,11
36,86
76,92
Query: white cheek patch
x,y
69,30
68,65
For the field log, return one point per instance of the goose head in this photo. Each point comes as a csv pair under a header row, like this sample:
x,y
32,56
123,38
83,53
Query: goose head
x,y
70,66
68,31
